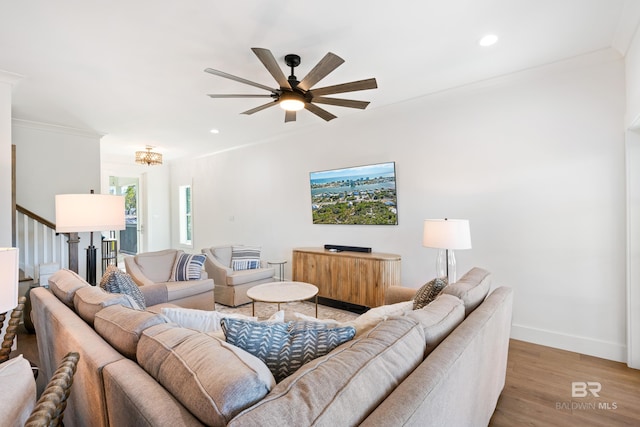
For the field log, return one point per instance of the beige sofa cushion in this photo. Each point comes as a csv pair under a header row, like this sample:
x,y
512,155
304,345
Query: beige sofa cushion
x,y
91,299
122,326
18,392
213,379
344,386
438,319
472,288
64,284
157,266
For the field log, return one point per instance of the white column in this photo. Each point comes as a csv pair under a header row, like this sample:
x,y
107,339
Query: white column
x,y
7,80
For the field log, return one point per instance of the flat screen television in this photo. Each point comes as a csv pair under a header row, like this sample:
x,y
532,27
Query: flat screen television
x,y
355,195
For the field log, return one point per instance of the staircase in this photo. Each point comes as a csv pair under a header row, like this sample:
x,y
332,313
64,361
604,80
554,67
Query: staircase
x,y
42,250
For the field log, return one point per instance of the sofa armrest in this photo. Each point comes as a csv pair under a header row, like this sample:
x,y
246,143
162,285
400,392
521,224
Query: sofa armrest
x,y
156,293
216,270
135,272
395,294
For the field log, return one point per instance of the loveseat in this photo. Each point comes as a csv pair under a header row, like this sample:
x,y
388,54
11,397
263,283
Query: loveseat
x,y
232,285
157,270
443,365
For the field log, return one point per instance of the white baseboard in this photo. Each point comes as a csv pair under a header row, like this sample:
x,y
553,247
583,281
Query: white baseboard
x,y
597,348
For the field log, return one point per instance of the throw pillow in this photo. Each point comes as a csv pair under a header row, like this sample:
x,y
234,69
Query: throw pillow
x,y
284,347
428,292
245,258
116,281
187,267
208,321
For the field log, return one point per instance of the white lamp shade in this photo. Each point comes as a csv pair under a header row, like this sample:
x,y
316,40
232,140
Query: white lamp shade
x,y
77,213
446,234
8,279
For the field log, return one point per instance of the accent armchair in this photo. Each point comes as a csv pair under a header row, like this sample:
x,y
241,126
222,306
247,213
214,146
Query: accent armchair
x,y
154,273
232,285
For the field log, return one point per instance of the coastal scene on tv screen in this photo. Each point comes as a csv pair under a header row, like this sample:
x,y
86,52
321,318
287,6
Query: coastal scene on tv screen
x,y
355,195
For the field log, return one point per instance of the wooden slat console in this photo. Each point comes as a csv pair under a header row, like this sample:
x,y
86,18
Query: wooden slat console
x,y
354,277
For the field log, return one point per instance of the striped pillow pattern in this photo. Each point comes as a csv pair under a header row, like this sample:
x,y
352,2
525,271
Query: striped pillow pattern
x,y
188,267
284,347
245,258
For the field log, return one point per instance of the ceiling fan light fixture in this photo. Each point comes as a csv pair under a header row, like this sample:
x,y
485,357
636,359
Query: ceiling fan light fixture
x,y
148,157
291,105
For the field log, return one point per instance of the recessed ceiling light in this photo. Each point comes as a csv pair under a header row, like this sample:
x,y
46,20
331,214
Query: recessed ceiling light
x,y
488,40
214,131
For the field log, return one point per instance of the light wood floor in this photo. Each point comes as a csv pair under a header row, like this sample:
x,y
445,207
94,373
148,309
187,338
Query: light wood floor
x,y
538,390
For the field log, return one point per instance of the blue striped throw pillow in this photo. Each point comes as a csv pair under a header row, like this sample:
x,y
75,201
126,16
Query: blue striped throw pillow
x,y
245,257
188,267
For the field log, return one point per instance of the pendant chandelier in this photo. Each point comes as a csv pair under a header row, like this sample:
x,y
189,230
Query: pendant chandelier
x,y
148,157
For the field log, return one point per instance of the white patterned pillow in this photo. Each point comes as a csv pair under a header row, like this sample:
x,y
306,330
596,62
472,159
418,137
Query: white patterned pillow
x,y
187,267
208,321
116,281
245,257
284,347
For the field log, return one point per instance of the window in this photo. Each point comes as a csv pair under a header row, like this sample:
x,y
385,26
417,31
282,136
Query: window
x,y
185,215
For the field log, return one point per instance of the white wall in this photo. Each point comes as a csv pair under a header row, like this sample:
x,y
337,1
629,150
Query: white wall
x,y
7,80
632,62
54,160
534,160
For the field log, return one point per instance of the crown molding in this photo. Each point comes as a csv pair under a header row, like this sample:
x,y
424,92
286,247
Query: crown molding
x,y
46,127
10,78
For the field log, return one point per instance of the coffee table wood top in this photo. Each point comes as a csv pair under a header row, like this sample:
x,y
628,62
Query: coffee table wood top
x,y
282,292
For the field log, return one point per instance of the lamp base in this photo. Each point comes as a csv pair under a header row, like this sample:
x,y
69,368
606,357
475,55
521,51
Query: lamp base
x,y
91,265
446,265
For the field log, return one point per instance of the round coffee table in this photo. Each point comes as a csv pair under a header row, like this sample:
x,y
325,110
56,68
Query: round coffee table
x,y
281,292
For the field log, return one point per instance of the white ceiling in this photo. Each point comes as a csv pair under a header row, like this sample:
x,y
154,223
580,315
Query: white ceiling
x,y
133,70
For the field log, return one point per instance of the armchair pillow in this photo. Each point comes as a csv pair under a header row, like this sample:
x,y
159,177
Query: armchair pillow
x,y
245,258
187,267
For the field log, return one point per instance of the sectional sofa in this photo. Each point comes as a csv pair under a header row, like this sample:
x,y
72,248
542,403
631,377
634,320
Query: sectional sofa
x,y
443,365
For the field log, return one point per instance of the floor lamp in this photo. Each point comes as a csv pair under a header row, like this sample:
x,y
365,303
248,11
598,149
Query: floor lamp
x,y
77,213
446,235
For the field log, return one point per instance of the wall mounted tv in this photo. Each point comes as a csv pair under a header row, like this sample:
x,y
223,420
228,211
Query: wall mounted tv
x,y
355,195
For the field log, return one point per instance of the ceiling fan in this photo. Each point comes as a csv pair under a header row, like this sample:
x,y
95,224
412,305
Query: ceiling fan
x,y
293,95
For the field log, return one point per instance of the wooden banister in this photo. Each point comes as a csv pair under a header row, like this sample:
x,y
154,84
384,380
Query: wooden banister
x,y
72,238
35,216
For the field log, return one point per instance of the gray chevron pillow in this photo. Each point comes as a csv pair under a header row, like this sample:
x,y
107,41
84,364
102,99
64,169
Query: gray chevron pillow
x,y
118,282
284,347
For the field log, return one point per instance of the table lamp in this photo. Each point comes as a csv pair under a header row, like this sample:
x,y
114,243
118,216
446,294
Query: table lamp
x,y
446,235
76,213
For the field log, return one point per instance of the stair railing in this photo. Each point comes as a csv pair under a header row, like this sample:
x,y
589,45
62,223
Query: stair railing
x,y
39,243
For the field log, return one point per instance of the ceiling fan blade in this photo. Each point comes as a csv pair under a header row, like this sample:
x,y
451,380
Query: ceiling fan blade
x,y
266,57
260,108
346,87
289,116
239,79
341,102
323,114
326,65
238,96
